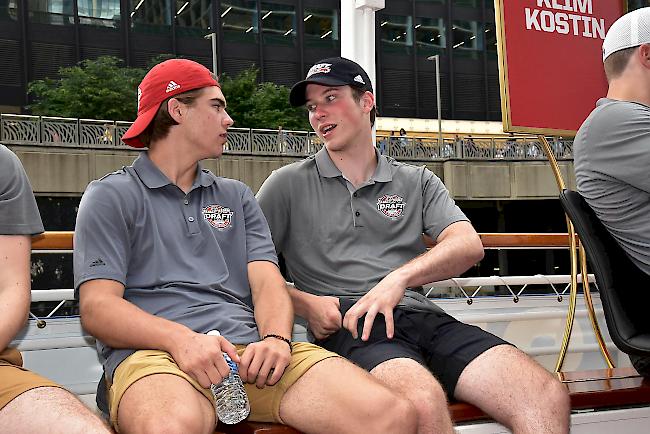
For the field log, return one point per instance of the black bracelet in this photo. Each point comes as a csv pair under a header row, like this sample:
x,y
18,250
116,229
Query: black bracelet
x,y
282,338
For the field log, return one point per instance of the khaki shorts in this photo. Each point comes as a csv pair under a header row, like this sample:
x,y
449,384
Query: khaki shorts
x,y
16,380
265,403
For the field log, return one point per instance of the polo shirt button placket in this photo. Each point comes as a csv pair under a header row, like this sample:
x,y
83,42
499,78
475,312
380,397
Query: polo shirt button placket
x,y
186,202
190,219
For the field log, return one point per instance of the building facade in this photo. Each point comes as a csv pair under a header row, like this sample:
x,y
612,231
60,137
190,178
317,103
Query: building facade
x,y
282,37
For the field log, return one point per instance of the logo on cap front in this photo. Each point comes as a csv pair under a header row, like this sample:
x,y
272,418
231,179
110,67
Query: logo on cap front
x,y
172,86
219,217
391,205
319,68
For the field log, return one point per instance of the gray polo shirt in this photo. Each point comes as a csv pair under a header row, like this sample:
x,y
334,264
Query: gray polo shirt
x,y
338,240
612,165
180,256
18,211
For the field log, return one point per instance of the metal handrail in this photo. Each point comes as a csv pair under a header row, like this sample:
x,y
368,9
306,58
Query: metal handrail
x,y
105,134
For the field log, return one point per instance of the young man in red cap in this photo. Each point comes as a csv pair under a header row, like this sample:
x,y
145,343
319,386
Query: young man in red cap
x,y
165,252
349,223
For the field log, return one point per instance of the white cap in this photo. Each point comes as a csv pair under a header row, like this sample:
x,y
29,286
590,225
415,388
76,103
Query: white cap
x,y
630,30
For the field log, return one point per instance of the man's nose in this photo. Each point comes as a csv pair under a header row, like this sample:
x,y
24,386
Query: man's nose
x,y
228,121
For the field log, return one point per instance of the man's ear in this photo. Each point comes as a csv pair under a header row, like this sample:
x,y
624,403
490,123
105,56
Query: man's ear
x,y
368,101
176,109
644,55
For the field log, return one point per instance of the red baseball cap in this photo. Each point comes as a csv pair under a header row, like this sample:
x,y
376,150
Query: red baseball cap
x,y
163,81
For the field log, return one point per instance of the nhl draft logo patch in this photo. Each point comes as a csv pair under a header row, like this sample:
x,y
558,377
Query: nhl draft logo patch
x,y
219,217
319,68
391,205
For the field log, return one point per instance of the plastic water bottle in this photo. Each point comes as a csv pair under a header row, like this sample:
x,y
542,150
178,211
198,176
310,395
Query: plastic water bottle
x,y
231,401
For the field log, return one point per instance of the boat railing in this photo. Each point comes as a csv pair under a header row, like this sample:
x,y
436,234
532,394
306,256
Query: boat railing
x,y
469,288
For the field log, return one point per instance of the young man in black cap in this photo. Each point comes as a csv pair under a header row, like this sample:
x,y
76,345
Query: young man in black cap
x,y
349,223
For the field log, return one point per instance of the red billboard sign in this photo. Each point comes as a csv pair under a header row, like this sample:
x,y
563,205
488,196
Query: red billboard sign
x,y
550,61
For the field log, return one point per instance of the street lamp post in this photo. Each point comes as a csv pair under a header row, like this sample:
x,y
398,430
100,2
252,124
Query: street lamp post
x,y
213,37
436,58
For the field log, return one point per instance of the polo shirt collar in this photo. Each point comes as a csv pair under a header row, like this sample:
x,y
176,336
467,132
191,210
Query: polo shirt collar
x,y
327,168
152,177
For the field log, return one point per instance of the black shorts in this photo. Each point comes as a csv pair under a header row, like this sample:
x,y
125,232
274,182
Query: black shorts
x,y
434,339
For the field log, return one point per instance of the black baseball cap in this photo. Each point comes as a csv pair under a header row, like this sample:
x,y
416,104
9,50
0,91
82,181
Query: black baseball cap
x,y
333,71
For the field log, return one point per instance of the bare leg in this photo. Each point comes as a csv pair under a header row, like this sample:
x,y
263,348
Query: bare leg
x,y
422,389
165,403
516,391
49,410
336,396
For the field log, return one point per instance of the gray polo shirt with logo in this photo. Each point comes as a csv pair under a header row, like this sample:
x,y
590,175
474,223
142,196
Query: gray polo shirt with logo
x,y
340,240
612,164
18,211
180,256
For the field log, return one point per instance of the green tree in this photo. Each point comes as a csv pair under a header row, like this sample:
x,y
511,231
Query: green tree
x,y
94,89
264,105
104,89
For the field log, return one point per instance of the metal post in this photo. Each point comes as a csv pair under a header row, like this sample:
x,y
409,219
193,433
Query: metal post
x,y
436,59
213,37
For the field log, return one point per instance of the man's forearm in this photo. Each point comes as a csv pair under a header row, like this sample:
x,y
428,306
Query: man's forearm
x,y
121,324
271,301
301,301
274,312
450,257
15,285
14,308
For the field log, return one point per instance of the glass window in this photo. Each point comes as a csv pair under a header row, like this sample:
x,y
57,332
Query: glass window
x,y
278,24
467,3
239,20
467,38
59,12
9,10
491,40
396,33
104,13
193,17
636,4
430,36
321,28
151,16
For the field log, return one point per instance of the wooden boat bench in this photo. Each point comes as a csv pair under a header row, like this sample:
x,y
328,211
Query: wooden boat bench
x,y
589,390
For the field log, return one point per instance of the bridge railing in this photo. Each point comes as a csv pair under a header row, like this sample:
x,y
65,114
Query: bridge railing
x,y
93,133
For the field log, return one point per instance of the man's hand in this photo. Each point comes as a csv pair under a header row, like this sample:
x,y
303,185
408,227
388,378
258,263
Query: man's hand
x,y
264,362
324,316
381,299
201,357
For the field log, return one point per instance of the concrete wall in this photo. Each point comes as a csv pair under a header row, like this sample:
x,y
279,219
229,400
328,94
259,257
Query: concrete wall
x,y
65,171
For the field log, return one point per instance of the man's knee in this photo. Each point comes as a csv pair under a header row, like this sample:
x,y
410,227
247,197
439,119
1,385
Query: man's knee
x,y
556,395
395,414
179,422
51,409
183,420
429,401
